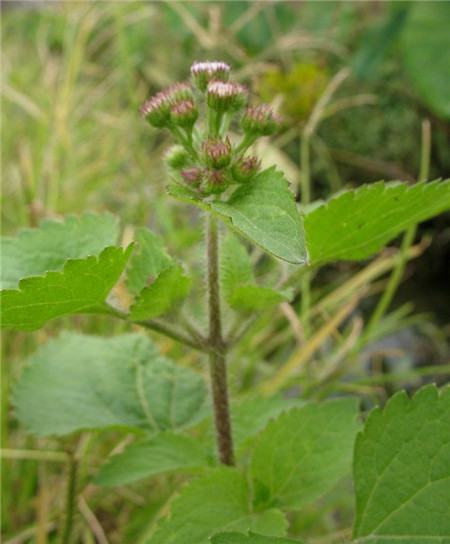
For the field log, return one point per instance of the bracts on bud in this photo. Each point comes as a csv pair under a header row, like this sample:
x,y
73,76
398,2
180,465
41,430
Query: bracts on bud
x,y
184,114
217,153
225,96
260,120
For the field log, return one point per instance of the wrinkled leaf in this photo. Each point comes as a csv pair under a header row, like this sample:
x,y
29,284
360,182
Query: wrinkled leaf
x,y
220,500
77,382
402,471
165,452
356,224
80,287
33,252
305,452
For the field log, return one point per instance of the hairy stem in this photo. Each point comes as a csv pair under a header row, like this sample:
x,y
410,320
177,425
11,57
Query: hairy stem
x,y
217,357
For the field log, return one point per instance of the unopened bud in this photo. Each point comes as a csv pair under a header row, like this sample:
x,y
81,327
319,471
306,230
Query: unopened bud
x,y
217,153
225,96
179,92
156,110
245,169
177,157
192,176
204,72
184,114
260,120
215,182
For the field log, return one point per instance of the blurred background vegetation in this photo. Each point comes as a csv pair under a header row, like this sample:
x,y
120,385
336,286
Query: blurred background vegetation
x,y
367,83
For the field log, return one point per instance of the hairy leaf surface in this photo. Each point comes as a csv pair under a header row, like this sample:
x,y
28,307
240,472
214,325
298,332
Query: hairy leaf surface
x,y
304,452
356,224
80,287
165,452
77,382
33,252
218,501
402,471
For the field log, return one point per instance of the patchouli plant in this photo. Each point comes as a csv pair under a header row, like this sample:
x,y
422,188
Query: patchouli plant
x,y
254,463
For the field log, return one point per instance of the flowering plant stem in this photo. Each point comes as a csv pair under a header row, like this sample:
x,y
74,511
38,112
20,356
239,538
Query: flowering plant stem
x,y
217,357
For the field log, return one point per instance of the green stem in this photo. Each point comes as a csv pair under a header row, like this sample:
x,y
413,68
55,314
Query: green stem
x,y
246,142
71,494
217,357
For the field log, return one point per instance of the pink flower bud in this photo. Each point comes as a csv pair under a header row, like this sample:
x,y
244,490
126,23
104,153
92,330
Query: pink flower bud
x,y
204,72
225,96
217,153
215,182
184,114
156,110
245,169
192,176
260,120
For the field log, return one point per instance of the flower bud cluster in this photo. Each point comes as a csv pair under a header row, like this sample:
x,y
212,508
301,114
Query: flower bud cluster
x,y
206,159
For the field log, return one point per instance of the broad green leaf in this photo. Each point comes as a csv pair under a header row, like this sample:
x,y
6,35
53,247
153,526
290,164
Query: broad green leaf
x,y
251,415
425,50
238,282
169,288
305,452
251,538
220,500
402,471
33,252
80,287
264,211
356,224
77,382
149,259
163,453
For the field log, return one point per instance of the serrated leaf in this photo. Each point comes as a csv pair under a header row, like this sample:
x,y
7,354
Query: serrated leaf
x,y
165,452
402,471
77,382
33,252
82,285
251,538
149,259
264,211
238,282
218,501
305,452
356,224
425,51
169,288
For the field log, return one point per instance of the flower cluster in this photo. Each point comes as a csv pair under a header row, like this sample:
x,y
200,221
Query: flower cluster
x,y
207,158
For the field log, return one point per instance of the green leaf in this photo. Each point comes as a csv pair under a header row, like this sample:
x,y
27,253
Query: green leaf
x,y
251,415
425,49
80,287
305,452
264,211
356,224
220,500
164,452
402,471
34,252
238,282
149,259
77,382
169,288
251,538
